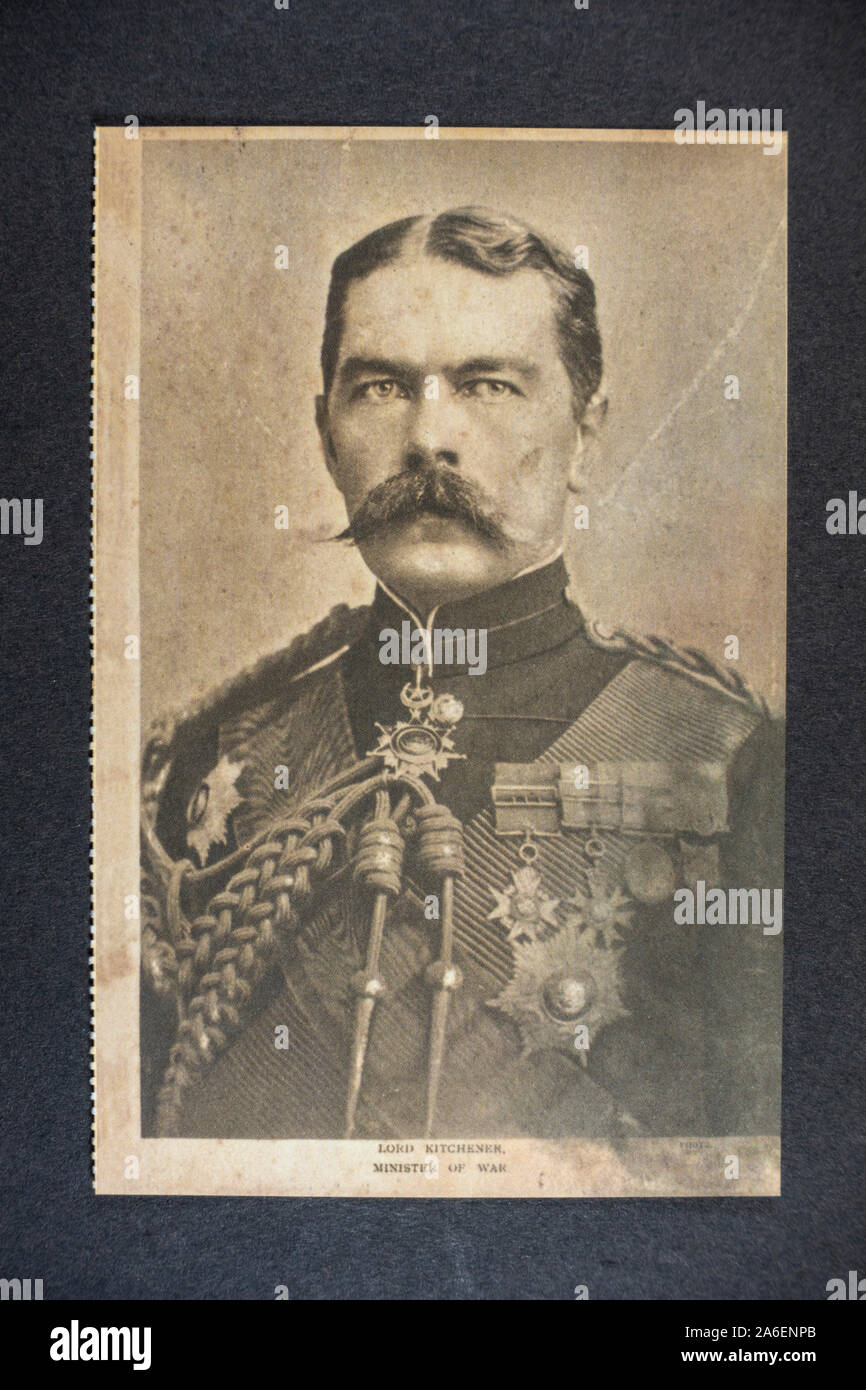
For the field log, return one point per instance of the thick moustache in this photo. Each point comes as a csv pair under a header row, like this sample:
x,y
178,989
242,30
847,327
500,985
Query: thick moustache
x,y
431,492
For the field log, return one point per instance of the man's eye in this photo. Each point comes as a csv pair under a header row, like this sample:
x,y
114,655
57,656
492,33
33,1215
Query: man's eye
x,y
488,389
384,389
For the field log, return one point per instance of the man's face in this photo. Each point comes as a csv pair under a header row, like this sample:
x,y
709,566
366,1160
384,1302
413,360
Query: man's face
x,y
447,369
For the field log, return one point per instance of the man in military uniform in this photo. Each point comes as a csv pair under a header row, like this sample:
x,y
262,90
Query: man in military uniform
x,y
387,899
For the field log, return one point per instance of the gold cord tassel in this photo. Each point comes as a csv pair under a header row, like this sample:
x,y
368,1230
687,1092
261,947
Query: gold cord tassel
x,y
444,977
378,865
366,986
440,850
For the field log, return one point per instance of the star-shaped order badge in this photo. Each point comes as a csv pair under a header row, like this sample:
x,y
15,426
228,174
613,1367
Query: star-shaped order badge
x,y
566,986
564,991
210,807
422,745
599,914
523,907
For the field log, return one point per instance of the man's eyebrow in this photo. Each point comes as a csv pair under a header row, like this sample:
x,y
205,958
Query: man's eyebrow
x,y
473,366
479,366
376,366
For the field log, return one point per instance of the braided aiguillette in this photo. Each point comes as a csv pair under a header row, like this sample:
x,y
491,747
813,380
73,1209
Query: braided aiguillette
x,y
223,954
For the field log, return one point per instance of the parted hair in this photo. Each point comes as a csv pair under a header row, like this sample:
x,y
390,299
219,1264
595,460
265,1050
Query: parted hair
x,y
494,244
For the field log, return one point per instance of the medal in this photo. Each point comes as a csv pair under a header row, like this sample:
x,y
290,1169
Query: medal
x,y
599,912
649,872
524,908
565,987
422,745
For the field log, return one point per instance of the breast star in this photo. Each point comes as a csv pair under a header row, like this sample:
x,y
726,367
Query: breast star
x,y
211,807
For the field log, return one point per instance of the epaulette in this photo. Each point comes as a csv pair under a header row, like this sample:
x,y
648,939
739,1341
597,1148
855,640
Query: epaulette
x,y
258,683
686,661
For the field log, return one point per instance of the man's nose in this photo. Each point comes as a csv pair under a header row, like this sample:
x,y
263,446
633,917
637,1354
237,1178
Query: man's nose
x,y
432,437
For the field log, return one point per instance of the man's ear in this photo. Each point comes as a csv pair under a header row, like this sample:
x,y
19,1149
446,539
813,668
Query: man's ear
x,y
587,435
325,436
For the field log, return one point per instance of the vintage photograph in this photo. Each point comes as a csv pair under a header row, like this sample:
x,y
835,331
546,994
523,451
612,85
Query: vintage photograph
x,y
439,625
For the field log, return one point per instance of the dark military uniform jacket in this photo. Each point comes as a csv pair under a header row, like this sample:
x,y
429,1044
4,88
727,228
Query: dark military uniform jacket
x,y
630,771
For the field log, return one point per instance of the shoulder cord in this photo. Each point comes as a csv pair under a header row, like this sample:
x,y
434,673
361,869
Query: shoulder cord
x,y
688,661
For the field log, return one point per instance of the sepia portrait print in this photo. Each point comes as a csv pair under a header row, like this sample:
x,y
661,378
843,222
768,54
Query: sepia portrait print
x,y
439,653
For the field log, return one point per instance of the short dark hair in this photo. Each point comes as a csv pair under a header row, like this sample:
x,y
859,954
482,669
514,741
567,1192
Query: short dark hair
x,y
494,245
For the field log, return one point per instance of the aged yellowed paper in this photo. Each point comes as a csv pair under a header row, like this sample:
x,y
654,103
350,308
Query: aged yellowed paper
x,y
439,613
